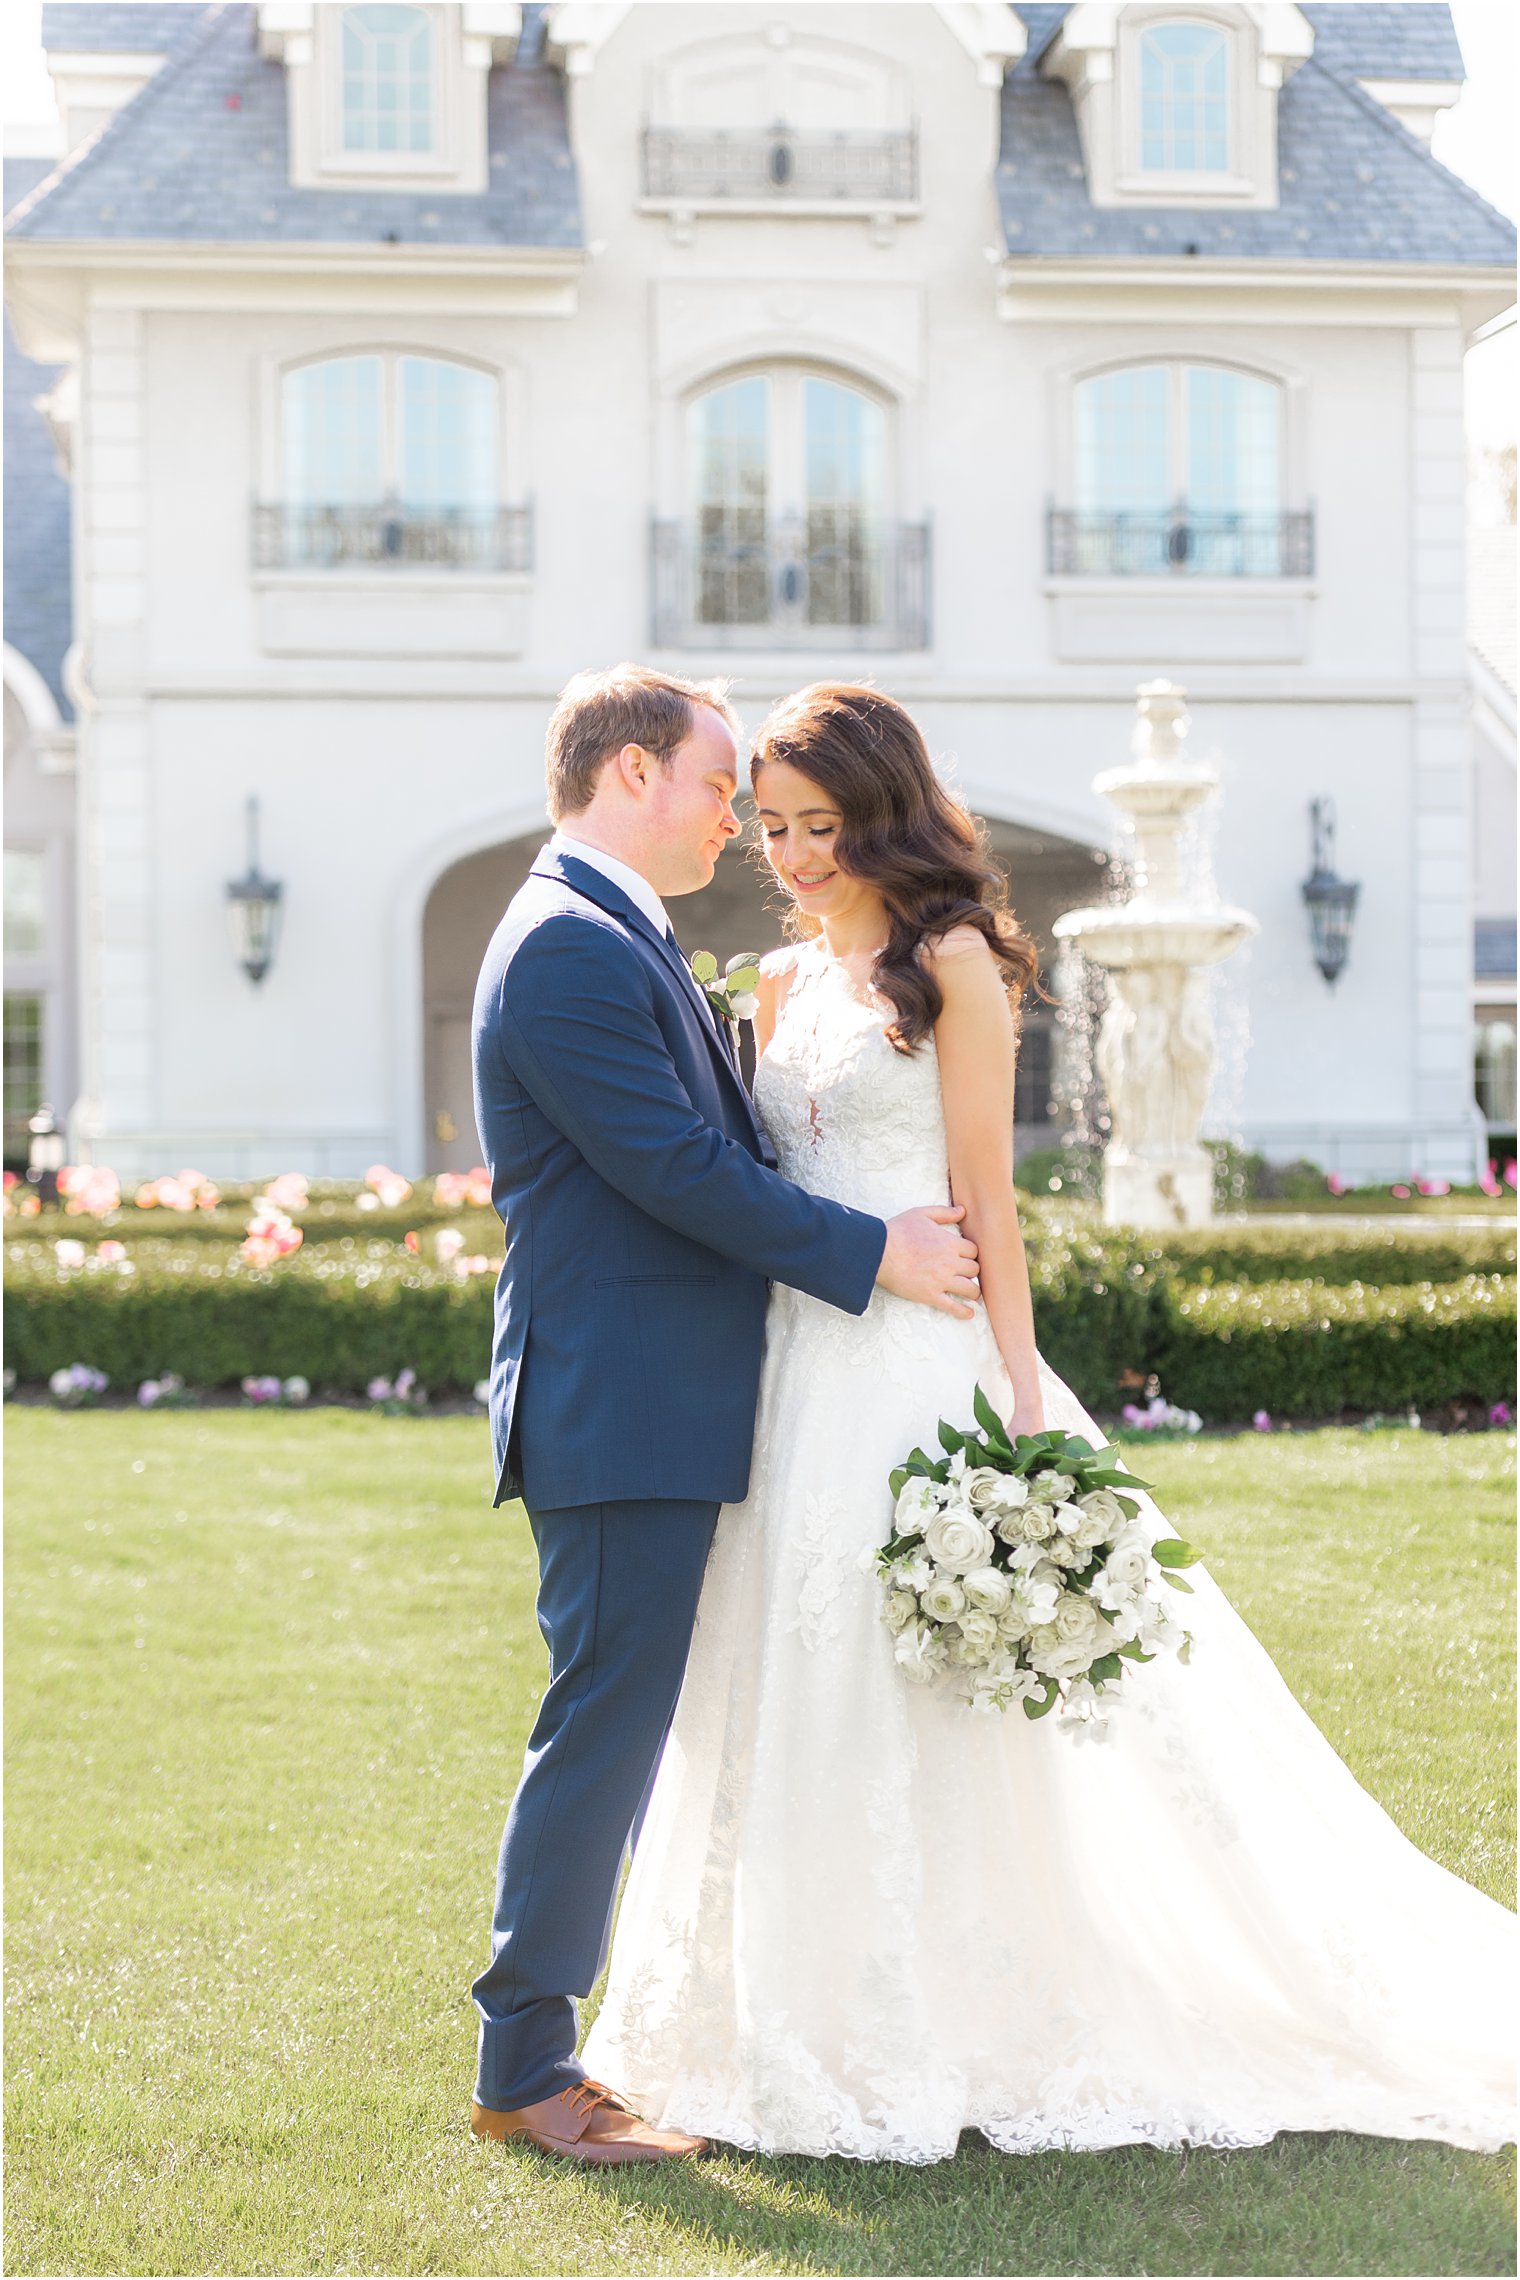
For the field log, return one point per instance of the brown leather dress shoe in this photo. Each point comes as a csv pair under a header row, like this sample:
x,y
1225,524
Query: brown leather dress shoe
x,y
587,2122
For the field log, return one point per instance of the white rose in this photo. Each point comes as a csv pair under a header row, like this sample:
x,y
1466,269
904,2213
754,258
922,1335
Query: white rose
x,y
958,1540
943,1600
900,1608
1037,1522
1076,1618
979,1632
1066,1553
988,1587
1126,1571
1101,1504
916,1504
1013,1623
1054,1486
982,1486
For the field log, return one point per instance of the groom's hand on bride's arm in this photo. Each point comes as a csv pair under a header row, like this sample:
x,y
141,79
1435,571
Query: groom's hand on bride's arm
x,y
929,1259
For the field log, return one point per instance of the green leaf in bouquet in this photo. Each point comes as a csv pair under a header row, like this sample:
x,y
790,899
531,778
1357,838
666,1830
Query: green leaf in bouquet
x,y
921,1466
990,1422
1106,1666
1036,1706
1185,1651
1177,1582
1174,1552
949,1439
1132,1651
897,1481
1077,1445
1126,1504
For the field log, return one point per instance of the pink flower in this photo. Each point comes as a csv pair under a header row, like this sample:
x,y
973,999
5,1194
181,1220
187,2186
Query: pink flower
x,y
1509,1173
261,1389
389,1186
90,1189
1335,1183
447,1244
290,1192
1262,1421
412,1240
1433,1187
378,1389
1488,1183
1399,1191
110,1251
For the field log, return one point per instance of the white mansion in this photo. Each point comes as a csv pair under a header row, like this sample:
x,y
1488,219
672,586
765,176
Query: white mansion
x,y
374,368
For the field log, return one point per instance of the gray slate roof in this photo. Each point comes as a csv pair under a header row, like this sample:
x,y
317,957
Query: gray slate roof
x,y
200,154
38,597
1354,185
1494,949
122,27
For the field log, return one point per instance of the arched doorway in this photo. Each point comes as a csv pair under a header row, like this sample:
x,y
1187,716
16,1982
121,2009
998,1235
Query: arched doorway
x,y
739,911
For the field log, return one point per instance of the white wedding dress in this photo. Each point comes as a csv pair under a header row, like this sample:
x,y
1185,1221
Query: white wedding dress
x,y
863,1918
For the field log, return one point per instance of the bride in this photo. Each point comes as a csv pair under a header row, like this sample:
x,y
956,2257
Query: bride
x,y
860,1918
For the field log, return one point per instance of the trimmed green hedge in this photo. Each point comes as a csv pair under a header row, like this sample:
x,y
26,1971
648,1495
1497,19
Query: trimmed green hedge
x,y
1103,1307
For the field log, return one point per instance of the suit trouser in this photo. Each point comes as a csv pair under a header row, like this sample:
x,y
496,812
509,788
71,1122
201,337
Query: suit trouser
x,y
618,1590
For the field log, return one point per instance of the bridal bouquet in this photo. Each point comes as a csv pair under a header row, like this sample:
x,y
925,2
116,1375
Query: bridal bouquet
x,y
1017,1570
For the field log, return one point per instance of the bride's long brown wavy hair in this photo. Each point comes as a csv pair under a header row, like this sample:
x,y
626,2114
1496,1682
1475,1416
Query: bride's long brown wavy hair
x,y
905,835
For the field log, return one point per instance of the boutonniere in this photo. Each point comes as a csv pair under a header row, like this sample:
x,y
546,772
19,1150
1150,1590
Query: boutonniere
x,y
733,998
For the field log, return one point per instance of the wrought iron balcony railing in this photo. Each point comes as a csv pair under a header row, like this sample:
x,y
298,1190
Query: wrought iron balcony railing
x,y
336,538
828,582
1184,542
781,165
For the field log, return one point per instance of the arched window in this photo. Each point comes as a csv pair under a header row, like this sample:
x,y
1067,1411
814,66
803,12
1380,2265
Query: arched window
x,y
789,489
389,79
391,456
1494,1074
1179,467
1184,99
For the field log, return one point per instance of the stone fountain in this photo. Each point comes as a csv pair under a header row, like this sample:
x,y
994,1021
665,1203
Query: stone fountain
x,y
1155,1047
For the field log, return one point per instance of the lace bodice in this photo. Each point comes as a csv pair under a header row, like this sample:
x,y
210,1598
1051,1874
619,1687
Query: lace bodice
x,y
849,1117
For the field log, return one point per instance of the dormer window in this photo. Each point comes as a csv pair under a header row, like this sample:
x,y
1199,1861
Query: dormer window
x,y
390,96
1184,99
389,80
1178,109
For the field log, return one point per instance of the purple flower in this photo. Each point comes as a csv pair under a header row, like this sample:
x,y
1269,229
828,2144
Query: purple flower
x,y
1500,1414
1262,1421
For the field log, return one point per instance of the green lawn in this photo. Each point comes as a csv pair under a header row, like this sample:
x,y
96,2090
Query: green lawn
x,y
269,1676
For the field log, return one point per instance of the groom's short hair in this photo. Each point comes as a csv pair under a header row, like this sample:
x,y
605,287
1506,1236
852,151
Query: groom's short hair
x,y
598,713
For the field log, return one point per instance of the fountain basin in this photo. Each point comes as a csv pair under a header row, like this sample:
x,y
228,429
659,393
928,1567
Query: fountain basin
x,y
1123,935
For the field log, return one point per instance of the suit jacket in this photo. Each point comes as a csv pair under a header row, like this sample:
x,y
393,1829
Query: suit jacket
x,y
644,1217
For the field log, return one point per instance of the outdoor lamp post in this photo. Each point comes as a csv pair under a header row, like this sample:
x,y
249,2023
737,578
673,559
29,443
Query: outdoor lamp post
x,y
253,909
1331,900
45,1153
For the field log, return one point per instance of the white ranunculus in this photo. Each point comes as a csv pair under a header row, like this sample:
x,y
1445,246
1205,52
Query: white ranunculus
x,y
1053,1486
1045,1571
900,1609
920,1653
1038,1521
1101,1504
943,1600
988,1587
1126,1571
1066,1553
1013,1623
958,1540
916,1505
983,1486
979,1632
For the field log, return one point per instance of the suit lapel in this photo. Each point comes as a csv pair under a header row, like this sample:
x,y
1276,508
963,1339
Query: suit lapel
x,y
597,888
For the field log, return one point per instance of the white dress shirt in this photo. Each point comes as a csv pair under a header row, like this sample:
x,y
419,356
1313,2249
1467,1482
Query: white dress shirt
x,y
633,883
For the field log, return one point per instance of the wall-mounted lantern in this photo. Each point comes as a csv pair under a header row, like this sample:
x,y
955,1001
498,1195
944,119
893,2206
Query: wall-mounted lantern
x,y
45,1152
254,909
1331,900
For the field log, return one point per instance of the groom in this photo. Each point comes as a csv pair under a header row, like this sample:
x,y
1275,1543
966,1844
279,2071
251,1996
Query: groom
x,y
644,1220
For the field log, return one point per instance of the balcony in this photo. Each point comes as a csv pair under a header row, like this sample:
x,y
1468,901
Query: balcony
x,y
779,166
391,535
1183,542
823,583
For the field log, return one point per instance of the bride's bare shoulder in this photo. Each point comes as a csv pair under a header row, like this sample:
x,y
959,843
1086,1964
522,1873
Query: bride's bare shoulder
x,y
777,968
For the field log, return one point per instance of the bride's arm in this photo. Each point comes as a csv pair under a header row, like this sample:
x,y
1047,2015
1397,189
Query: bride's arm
x,y
974,1039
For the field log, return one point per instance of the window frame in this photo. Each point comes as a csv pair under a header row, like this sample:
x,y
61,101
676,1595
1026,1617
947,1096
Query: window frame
x,y
390,360
1177,421
1227,43
438,167
1246,166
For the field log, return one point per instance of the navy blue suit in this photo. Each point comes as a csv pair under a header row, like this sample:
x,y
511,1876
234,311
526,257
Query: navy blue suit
x,y
644,1221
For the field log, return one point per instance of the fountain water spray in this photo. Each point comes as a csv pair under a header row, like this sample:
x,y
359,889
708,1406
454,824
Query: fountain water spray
x,y
1155,1048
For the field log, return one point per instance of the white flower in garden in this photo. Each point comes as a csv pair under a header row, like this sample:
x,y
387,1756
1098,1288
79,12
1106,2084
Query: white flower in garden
x,y
988,1588
920,1654
979,1632
958,1540
483,1391
916,1504
943,1600
1053,1486
69,1252
900,1609
983,1486
447,1244
296,1390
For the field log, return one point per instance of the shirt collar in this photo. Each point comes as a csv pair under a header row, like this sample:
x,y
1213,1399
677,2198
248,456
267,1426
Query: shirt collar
x,y
633,883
